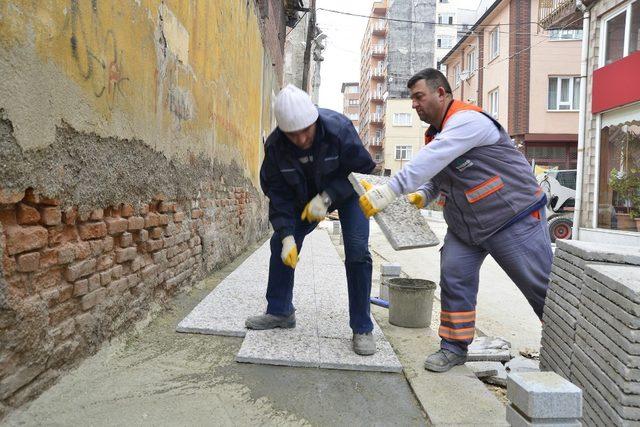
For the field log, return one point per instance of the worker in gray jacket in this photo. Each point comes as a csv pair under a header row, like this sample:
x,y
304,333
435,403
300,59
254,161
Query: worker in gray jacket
x,y
492,205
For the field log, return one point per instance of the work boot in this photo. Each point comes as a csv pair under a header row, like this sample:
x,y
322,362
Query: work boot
x,y
443,360
364,344
271,321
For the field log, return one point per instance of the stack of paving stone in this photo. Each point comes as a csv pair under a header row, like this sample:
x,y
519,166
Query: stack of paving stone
x,y
606,353
542,399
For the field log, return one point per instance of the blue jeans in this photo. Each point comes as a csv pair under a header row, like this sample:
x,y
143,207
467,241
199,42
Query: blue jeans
x,y
358,266
523,250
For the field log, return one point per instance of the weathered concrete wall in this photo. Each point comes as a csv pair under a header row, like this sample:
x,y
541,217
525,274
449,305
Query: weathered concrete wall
x,y
130,145
411,45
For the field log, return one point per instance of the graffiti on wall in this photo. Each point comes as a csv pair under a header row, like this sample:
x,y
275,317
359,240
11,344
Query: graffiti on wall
x,y
95,51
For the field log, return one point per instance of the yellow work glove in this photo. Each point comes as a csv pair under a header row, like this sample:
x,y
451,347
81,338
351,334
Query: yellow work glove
x,y
376,198
418,199
289,253
316,209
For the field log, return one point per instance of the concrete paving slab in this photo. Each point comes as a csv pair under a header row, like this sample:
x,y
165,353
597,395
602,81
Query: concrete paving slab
x,y
576,281
616,298
585,330
626,337
337,353
484,369
280,347
602,410
402,224
601,252
620,278
555,281
500,379
489,349
588,343
522,364
567,266
562,299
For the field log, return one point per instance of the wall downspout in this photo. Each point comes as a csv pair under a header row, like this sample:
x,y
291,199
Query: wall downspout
x,y
582,118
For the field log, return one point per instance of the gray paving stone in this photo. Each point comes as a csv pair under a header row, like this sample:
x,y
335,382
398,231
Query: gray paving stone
x,y
597,400
623,279
571,278
337,353
627,338
577,261
558,282
625,405
601,252
630,321
402,224
567,266
556,318
500,379
484,369
588,342
558,357
280,347
390,269
544,395
558,339
522,364
585,330
619,300
489,349
626,386
516,419
571,307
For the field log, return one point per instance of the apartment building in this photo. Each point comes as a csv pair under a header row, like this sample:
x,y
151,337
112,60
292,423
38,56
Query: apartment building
x,y
398,42
454,18
608,196
404,134
351,102
524,76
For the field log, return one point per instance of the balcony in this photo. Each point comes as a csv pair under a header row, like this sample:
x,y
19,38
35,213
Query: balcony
x,y
377,141
378,73
554,14
380,7
379,50
377,96
376,118
379,28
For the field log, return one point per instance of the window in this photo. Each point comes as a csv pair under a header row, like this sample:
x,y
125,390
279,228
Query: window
x,y
619,175
403,152
457,70
559,34
564,93
353,116
621,33
401,119
353,102
493,103
494,43
445,41
445,18
472,66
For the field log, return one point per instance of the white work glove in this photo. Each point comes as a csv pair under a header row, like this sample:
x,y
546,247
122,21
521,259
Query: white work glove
x,y
289,253
316,209
418,199
376,198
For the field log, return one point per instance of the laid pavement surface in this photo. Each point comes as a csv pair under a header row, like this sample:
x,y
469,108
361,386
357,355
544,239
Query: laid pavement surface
x,y
155,376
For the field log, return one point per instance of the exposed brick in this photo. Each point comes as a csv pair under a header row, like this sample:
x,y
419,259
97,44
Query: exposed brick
x,y
105,262
169,241
28,262
31,196
27,215
92,230
92,299
51,216
178,217
126,254
83,250
70,215
61,234
97,215
9,265
108,243
66,254
81,287
137,263
126,210
22,239
154,245
142,236
165,207
117,271
116,225
136,223
156,233
160,257
118,286
80,269
47,279
196,213
126,239
94,282
152,219
133,280
97,247
66,292
105,277
9,197
48,258
143,209
170,229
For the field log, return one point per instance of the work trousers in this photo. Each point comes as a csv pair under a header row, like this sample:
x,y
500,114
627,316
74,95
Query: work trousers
x,y
358,266
523,251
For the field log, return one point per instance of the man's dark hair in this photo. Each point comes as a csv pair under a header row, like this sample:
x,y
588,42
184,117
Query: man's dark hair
x,y
432,77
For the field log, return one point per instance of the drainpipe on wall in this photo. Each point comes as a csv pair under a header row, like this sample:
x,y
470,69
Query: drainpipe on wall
x,y
582,117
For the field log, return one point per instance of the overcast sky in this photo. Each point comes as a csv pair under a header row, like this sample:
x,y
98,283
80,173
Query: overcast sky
x,y
342,55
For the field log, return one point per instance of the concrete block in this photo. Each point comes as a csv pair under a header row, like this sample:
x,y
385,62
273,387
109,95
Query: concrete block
x,y
516,419
601,252
402,224
390,269
500,379
522,364
620,278
544,395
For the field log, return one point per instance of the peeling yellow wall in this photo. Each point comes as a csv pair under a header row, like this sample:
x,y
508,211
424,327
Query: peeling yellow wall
x,y
185,77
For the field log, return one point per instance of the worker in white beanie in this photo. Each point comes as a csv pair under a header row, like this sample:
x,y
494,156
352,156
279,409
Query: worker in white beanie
x,y
308,158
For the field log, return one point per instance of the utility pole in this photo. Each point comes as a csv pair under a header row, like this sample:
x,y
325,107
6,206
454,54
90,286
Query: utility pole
x,y
311,29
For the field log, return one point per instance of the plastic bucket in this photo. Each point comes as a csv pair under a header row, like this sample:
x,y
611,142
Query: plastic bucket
x,y
410,302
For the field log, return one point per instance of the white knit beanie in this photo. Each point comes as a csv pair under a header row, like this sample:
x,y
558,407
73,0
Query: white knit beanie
x,y
294,110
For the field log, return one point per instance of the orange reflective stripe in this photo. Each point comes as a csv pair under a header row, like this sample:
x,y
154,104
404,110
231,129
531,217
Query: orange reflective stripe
x,y
456,334
459,106
441,200
458,317
481,191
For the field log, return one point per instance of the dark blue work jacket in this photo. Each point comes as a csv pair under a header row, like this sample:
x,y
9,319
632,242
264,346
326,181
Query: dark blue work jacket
x,y
337,151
